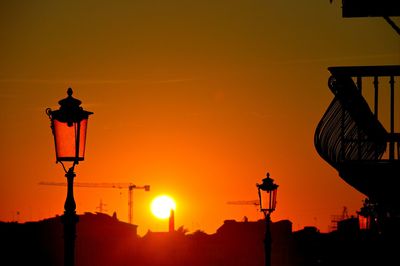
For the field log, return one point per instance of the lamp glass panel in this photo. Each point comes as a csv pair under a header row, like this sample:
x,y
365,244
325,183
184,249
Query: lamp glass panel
x,y
265,199
273,199
268,200
82,138
70,140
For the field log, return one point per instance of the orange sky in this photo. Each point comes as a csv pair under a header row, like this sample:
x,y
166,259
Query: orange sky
x,y
198,99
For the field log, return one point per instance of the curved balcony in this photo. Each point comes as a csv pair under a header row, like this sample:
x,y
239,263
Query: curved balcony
x,y
353,140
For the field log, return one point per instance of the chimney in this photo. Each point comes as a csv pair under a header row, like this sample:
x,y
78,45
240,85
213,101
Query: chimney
x,y
172,221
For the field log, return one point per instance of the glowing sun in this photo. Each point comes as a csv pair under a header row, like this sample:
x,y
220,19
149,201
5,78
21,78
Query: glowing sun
x,y
161,206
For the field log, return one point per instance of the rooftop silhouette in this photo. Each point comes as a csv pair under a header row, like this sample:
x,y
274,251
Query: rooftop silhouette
x,y
103,240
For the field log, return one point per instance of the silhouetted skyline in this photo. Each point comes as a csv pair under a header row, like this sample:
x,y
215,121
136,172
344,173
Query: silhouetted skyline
x,y
198,99
104,240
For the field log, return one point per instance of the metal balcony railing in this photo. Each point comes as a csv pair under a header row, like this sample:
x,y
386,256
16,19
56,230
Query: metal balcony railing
x,y
350,130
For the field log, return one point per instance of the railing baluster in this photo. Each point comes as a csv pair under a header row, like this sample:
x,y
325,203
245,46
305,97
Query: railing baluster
x,y
359,83
391,144
359,86
376,98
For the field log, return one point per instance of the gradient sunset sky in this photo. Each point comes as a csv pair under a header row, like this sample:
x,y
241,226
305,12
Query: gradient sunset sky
x,y
198,99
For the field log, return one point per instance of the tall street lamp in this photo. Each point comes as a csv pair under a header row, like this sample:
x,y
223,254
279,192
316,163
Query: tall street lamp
x,y
267,192
68,125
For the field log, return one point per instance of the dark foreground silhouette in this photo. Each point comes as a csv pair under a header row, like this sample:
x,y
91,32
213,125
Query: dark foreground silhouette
x,y
103,240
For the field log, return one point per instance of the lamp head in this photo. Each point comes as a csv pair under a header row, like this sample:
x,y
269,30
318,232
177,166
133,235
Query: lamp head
x,y
69,125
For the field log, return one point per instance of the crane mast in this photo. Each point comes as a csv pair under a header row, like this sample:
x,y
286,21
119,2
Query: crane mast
x,y
130,199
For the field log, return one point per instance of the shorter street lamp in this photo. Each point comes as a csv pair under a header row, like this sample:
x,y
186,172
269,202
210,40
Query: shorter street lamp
x,y
267,191
68,125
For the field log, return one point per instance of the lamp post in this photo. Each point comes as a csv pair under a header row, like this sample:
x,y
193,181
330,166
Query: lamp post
x,y
68,125
267,192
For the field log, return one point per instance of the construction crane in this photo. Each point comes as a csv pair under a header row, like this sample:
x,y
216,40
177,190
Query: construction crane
x,y
244,202
130,187
335,219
